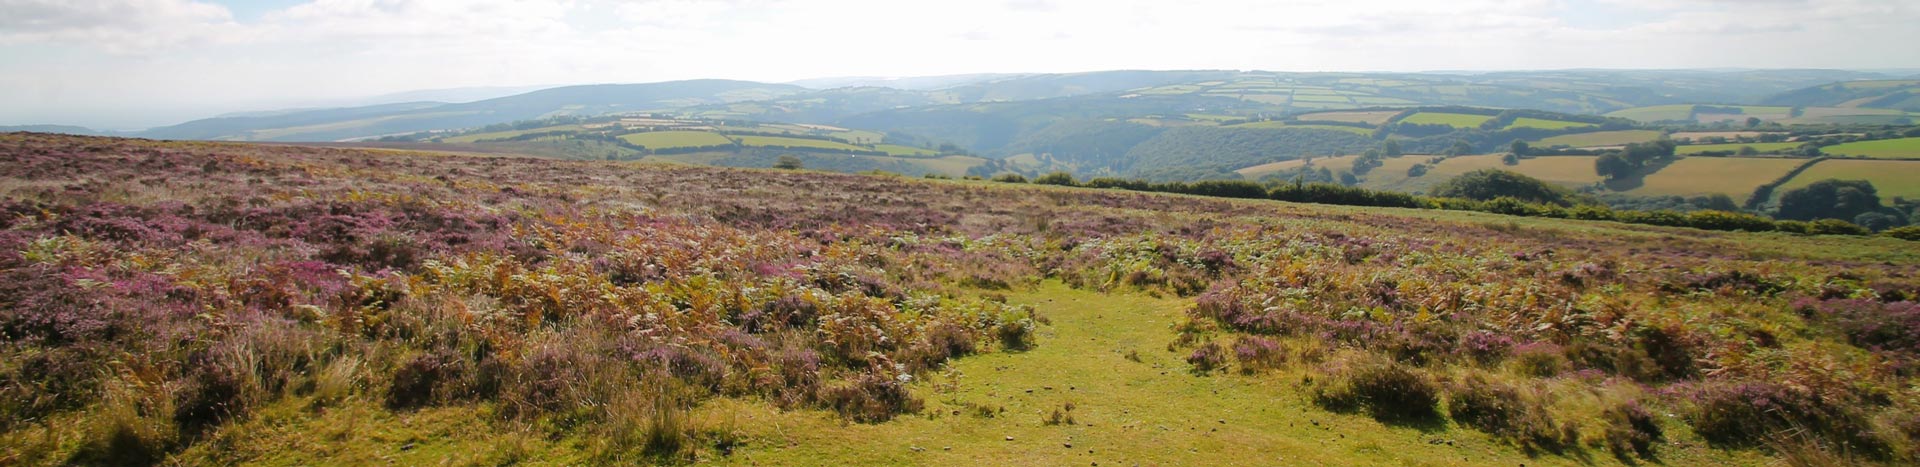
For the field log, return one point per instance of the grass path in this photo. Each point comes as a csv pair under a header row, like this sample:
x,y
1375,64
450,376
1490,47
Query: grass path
x,y
1151,412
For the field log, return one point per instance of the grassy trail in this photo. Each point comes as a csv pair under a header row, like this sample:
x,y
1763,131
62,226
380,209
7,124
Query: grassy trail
x,y
1150,412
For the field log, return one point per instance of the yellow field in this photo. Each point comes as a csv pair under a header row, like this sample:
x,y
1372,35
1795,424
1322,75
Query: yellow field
x,y
750,140
676,139
1891,178
1371,117
1731,176
1600,138
1563,170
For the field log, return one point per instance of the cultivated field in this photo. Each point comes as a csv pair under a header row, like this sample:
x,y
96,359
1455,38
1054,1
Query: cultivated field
x,y
1530,122
1600,138
1762,147
752,140
1902,148
676,139
1735,177
1282,124
507,134
1890,178
1370,117
1449,119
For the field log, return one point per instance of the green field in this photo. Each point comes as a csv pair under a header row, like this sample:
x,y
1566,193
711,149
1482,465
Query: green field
x,y
751,140
1655,113
898,150
1890,178
1600,138
1337,163
507,134
1276,124
1762,147
1902,148
1529,122
1449,119
1732,176
676,139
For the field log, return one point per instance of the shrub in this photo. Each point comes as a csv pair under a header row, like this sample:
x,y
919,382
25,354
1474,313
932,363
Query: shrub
x,y
1010,178
1206,358
1539,359
1502,410
1835,227
1909,233
1257,353
425,379
1055,178
1752,413
1631,430
1387,390
870,398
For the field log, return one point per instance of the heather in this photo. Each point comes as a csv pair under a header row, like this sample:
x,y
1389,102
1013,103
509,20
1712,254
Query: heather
x,y
162,297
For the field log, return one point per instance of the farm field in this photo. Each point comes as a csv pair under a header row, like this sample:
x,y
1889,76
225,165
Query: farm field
x,y
1335,163
1655,113
778,141
368,307
1701,135
1762,147
1902,148
1449,119
1271,124
1890,178
1371,117
1600,138
1735,177
507,134
1530,122
676,139
898,150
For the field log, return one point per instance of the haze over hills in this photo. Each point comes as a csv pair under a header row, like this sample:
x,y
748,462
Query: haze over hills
x,y
1572,91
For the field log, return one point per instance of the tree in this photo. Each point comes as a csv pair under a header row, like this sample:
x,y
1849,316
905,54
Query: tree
x,y
1416,171
1829,199
1460,148
788,162
1520,148
1613,166
1390,148
1753,122
1487,184
1510,159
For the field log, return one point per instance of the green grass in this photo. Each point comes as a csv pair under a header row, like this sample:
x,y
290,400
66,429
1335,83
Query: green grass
x,y
676,139
1449,119
1600,138
1890,178
1883,149
1655,113
1529,122
751,140
1371,117
898,150
1733,176
507,134
1276,124
1762,147
1563,170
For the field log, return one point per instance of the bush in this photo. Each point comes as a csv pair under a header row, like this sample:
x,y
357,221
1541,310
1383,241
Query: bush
x,y
1207,357
1010,178
1909,233
1257,353
1835,227
1388,390
425,380
1753,413
870,398
1502,410
1055,178
1631,430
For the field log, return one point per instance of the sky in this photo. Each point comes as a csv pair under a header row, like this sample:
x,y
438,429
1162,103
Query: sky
x,y
124,64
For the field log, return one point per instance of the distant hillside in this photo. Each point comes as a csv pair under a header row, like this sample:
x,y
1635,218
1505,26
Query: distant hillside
x,y
62,129
1901,95
356,122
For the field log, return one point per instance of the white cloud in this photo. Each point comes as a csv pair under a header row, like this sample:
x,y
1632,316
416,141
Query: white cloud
x,y
57,56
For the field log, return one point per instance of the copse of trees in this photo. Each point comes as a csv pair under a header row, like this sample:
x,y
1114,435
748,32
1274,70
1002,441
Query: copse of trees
x,y
1626,162
1856,201
1488,184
